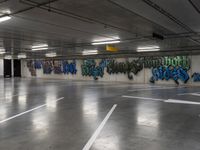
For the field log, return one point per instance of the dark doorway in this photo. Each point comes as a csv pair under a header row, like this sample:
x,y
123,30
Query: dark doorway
x,y
17,68
7,68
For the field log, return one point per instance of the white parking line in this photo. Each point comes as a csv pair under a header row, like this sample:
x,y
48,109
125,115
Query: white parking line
x,y
164,100
188,93
181,102
28,111
96,133
145,98
150,89
195,94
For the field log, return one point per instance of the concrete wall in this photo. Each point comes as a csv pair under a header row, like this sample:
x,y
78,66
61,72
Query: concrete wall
x,y
142,77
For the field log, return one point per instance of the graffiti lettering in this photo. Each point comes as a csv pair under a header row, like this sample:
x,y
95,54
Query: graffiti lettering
x,y
196,77
31,67
89,68
47,67
170,72
154,62
57,67
69,67
127,67
37,64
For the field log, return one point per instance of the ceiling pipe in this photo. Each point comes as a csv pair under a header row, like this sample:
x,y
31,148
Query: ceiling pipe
x,y
27,9
171,17
51,9
76,16
195,7
149,2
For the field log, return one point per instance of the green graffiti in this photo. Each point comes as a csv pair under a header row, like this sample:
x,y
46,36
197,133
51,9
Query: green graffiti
x,y
153,62
182,61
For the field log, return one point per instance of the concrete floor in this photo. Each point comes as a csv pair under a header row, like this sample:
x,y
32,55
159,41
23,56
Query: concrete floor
x,y
34,116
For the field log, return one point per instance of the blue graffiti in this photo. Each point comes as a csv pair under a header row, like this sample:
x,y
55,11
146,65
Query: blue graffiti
x,y
69,67
104,63
38,64
89,68
57,66
196,77
170,72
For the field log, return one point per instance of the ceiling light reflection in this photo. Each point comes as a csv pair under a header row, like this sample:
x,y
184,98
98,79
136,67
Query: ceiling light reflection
x,y
90,109
5,18
90,104
147,116
147,121
3,113
22,100
50,101
40,126
109,143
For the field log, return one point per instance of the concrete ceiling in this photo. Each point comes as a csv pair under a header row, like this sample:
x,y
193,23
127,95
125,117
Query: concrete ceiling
x,y
69,26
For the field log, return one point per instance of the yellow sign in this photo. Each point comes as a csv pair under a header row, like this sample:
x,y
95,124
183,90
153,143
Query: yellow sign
x,y
111,48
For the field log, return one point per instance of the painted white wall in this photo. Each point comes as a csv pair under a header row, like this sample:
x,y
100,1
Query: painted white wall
x,y
1,67
142,77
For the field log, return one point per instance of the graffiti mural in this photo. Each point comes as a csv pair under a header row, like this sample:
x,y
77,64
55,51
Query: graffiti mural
x,y
104,63
166,68
31,67
47,67
127,67
69,67
154,62
57,67
38,64
163,68
169,72
196,77
90,68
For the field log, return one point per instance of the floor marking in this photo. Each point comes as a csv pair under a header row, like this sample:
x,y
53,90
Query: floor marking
x,y
163,100
126,85
181,102
195,94
150,89
188,93
147,98
96,133
28,111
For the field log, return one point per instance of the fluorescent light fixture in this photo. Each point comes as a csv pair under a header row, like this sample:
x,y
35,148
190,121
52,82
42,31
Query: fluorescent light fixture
x,y
39,46
6,11
5,18
106,39
148,49
2,52
90,52
106,42
39,49
50,55
8,57
21,56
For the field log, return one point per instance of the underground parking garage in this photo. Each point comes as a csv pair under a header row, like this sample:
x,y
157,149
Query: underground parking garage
x,y
99,75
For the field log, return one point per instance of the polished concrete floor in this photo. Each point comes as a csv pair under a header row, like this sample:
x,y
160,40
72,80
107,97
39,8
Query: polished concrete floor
x,y
63,115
